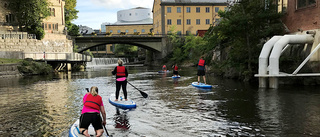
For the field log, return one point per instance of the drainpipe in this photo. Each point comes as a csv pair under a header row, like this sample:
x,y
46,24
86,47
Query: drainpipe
x,y
276,52
263,60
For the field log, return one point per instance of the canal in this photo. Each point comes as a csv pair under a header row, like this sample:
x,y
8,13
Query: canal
x,y
47,106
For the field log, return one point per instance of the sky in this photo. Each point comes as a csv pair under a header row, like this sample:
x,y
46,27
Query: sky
x,y
93,13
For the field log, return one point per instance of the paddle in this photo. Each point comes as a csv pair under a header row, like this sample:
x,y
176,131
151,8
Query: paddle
x,y
145,95
105,129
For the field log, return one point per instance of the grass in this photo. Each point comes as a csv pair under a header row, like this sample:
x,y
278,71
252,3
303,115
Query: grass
x,y
9,61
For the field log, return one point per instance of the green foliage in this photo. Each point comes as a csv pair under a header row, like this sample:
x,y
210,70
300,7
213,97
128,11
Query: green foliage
x,y
126,50
74,30
75,48
240,32
9,61
30,14
29,67
186,48
70,15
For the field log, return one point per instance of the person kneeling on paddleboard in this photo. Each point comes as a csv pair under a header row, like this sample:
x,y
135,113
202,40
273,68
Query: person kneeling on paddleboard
x,y
92,106
121,79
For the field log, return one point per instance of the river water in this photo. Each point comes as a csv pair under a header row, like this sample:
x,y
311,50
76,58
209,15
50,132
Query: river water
x,y
48,105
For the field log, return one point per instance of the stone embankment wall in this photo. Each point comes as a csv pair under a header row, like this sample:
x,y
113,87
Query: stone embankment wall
x,y
15,44
9,70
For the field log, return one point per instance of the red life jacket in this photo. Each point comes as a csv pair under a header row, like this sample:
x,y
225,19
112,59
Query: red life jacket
x,y
121,71
176,68
201,62
93,101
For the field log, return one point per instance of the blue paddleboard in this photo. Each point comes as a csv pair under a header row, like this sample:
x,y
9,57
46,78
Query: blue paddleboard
x,y
74,130
121,103
161,71
176,76
201,85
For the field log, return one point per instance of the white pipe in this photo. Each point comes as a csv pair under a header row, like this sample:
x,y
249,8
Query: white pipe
x,y
286,39
263,58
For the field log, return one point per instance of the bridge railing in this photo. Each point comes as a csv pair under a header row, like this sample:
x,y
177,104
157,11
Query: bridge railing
x,y
68,57
122,35
16,35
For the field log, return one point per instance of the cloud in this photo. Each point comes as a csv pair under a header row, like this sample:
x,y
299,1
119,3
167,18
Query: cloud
x,y
123,4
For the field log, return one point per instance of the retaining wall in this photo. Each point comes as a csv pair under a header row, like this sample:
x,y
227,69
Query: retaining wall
x,y
9,70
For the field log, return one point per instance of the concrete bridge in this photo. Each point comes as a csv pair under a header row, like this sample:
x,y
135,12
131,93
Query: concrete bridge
x,y
156,44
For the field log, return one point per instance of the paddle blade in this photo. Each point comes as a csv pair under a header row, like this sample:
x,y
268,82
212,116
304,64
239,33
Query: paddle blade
x,y
145,95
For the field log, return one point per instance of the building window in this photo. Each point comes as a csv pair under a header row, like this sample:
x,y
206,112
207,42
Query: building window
x,y
134,30
53,12
127,31
207,21
188,10
169,22
207,9
119,31
305,3
129,14
143,31
168,9
188,21
178,21
178,32
216,9
10,18
198,9
198,21
178,9
111,31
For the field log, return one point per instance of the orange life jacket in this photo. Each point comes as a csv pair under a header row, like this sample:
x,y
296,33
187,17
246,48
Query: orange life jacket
x,y
201,62
121,71
93,101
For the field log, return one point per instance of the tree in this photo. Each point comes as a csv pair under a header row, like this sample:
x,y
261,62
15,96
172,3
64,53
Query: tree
x,y
30,15
240,34
126,50
70,15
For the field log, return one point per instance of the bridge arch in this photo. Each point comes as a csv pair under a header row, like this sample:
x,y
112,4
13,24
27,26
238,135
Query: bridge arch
x,y
143,45
157,44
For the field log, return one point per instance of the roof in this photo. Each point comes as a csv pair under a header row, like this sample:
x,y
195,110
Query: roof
x,y
194,2
140,22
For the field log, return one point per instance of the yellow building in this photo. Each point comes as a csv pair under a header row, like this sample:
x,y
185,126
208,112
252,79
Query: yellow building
x,y
188,16
55,23
129,29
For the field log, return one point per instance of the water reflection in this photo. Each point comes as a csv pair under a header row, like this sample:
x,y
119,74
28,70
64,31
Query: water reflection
x,y
47,106
121,120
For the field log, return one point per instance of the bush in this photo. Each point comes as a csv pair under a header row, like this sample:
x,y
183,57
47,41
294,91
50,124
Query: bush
x,y
30,67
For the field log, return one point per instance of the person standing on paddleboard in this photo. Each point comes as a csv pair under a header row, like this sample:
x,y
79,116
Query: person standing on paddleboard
x,y
202,69
92,107
175,70
121,79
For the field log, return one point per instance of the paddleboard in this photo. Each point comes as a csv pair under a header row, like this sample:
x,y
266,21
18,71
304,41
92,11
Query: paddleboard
x,y
121,103
176,76
161,71
75,132
201,85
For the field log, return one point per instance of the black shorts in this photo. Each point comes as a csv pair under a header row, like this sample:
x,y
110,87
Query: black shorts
x,y
91,118
175,72
201,73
